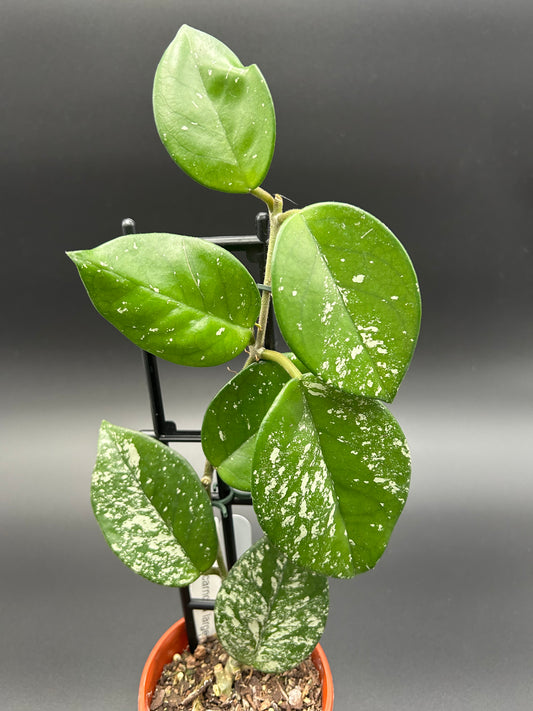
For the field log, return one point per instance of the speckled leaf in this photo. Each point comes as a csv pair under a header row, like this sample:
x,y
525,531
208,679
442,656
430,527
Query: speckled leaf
x,y
180,298
270,613
331,476
152,509
214,115
346,298
233,418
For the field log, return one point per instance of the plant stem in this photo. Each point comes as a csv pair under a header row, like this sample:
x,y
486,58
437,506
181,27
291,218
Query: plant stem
x,y
288,213
219,566
221,563
265,196
282,360
207,478
274,214
206,481
257,350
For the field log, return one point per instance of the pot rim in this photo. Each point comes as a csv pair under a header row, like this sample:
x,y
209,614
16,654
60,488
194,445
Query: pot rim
x,y
176,636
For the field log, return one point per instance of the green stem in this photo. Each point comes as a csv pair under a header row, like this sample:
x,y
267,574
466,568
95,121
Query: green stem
x,y
274,221
265,196
207,478
221,564
218,568
257,350
206,481
288,213
282,360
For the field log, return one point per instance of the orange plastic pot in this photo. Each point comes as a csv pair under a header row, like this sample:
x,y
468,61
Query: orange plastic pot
x,y
175,641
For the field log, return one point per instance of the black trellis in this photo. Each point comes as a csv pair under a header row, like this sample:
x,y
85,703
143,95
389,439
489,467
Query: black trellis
x,y
224,497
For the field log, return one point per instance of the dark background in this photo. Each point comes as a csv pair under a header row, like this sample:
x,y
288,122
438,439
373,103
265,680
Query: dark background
x,y
419,112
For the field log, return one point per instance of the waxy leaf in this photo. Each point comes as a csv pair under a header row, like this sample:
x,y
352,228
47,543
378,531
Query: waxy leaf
x,y
181,298
233,418
346,298
151,507
331,475
214,115
270,613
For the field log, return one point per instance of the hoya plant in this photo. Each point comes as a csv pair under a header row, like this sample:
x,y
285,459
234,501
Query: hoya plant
x,y
305,431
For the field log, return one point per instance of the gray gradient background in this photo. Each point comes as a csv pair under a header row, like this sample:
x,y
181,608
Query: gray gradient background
x,y
420,112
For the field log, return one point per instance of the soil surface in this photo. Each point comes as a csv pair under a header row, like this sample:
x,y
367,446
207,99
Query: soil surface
x,y
199,682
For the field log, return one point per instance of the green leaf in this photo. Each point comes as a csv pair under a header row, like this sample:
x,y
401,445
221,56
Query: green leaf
x,y
233,418
214,115
270,613
346,298
331,476
180,298
153,511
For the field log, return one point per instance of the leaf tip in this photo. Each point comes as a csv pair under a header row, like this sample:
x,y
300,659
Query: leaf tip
x,y
106,429
74,256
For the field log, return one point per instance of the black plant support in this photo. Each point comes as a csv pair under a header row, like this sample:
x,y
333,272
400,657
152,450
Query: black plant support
x,y
223,497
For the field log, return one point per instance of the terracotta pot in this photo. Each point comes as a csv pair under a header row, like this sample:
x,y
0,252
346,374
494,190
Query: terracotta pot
x,y
175,641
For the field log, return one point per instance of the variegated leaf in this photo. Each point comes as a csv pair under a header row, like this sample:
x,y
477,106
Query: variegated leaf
x,y
331,476
346,298
181,298
270,613
233,418
152,509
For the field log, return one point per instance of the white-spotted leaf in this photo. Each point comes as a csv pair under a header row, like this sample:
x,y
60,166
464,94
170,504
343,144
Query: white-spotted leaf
x,y
270,613
231,422
214,116
181,298
152,509
331,476
346,298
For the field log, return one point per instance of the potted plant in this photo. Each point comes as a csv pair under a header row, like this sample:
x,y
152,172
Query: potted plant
x,y
306,432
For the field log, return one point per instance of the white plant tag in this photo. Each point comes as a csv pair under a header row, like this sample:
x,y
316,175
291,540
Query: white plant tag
x,y
206,586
